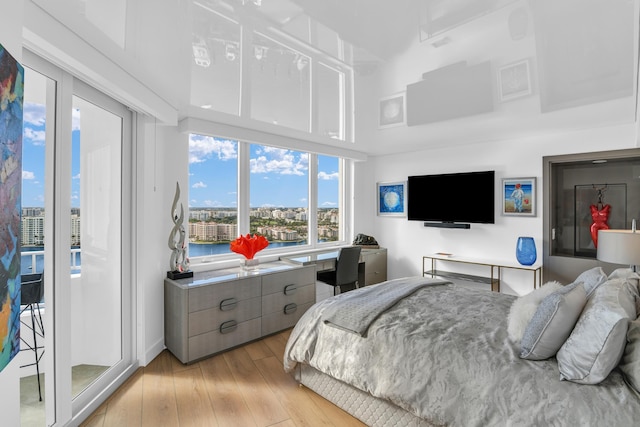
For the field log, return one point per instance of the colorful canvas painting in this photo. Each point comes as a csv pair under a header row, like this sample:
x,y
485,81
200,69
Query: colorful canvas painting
x,y
519,196
11,97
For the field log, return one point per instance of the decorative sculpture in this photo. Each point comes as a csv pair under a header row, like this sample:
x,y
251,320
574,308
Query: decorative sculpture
x,y
179,262
599,215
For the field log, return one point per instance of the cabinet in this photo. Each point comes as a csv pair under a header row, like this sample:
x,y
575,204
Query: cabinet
x,y
375,265
220,309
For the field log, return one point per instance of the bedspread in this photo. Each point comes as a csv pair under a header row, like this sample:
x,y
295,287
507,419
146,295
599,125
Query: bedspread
x,y
443,354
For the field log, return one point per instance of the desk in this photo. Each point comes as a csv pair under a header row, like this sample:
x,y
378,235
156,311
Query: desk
x,y
372,268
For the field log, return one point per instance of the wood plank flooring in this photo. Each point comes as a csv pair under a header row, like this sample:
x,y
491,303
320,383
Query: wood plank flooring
x,y
246,386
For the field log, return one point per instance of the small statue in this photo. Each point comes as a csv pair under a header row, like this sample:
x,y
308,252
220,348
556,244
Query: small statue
x,y
599,215
177,238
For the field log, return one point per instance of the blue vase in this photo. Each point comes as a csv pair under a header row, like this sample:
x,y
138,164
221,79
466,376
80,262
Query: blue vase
x,y
526,250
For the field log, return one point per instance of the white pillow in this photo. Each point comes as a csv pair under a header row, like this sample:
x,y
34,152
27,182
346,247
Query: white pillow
x,y
597,342
523,309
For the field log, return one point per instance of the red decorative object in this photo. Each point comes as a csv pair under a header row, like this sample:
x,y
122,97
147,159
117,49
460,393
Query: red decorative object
x,y
248,245
600,218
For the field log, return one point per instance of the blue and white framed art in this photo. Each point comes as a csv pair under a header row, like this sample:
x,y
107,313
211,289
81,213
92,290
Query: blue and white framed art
x,y
392,198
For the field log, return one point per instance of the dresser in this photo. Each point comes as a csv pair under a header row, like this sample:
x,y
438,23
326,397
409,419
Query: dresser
x,y
220,309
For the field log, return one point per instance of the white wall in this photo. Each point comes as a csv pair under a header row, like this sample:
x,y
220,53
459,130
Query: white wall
x,y
407,241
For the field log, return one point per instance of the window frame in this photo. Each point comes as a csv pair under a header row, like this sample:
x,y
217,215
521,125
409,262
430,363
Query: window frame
x,y
244,208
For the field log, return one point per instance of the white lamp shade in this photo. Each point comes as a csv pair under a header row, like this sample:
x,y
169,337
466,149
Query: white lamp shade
x,y
619,247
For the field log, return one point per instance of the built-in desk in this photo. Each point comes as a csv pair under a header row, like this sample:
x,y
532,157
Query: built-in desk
x,y
372,268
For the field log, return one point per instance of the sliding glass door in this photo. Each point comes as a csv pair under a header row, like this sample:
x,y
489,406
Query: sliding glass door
x,y
87,193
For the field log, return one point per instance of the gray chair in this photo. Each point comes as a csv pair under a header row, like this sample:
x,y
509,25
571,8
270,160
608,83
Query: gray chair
x,y
346,271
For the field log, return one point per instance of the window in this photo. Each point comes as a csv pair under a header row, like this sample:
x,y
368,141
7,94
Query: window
x,y
279,195
213,195
278,198
329,206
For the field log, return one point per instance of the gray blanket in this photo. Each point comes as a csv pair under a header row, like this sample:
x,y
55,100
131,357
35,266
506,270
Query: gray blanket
x,y
354,311
443,354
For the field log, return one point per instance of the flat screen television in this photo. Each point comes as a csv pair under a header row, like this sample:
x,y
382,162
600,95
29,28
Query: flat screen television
x,y
467,197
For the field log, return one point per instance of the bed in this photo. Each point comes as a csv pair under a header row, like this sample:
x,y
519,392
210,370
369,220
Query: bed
x,y
430,352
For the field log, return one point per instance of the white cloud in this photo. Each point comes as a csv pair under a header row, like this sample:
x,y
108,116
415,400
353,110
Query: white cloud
x,y
202,148
199,184
35,136
75,119
280,161
324,176
27,175
329,204
34,114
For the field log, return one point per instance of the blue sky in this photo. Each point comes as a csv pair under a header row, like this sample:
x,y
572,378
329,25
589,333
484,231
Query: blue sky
x,y
279,177
33,156
33,151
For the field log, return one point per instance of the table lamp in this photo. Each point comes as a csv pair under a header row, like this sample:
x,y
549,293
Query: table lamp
x,y
620,246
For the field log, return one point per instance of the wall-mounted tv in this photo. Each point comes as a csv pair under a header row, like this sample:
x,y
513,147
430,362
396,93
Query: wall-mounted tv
x,y
454,198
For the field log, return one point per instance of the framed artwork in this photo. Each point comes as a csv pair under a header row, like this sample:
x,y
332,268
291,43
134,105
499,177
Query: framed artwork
x,y
11,97
392,111
392,198
519,196
514,80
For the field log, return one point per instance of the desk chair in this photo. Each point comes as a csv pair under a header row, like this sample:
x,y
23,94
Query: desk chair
x,y
346,271
31,294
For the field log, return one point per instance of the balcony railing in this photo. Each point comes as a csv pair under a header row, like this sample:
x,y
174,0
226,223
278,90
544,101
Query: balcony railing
x,y
33,261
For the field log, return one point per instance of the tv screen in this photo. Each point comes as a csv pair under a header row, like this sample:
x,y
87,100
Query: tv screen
x,y
452,198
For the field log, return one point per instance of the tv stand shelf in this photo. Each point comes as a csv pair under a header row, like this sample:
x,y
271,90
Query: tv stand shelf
x,y
494,267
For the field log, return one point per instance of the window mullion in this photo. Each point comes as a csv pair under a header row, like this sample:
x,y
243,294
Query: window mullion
x,y
244,174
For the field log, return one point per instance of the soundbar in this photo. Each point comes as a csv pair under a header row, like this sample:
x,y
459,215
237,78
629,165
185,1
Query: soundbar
x,y
447,225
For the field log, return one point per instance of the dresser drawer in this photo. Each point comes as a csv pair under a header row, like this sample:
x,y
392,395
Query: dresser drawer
x,y
276,302
280,320
230,309
276,283
215,341
211,296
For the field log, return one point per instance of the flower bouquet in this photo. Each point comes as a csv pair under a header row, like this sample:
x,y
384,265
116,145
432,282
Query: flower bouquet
x,y
249,246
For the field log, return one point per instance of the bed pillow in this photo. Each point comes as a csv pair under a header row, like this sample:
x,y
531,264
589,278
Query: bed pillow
x,y
598,340
591,279
524,307
630,363
552,322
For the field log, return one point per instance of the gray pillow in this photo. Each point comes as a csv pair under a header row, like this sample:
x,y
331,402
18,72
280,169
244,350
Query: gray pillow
x,y
591,279
552,322
630,363
597,342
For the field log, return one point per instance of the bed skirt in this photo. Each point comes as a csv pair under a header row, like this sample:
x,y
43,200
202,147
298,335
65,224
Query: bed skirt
x,y
369,409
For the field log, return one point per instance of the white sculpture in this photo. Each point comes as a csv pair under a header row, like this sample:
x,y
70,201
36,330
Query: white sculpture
x,y
179,261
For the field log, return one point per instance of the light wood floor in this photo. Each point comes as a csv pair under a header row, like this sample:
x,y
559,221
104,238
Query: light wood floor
x,y
246,386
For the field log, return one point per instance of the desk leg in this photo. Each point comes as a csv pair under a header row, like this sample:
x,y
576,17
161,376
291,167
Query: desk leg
x,y
361,275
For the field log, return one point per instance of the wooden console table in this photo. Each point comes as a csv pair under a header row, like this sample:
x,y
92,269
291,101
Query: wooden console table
x,y
494,270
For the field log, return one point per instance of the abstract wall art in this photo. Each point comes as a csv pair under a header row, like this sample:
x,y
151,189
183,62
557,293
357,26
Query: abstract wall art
x,y
11,98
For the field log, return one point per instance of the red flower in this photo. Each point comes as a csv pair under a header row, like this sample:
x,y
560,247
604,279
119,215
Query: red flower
x,y
249,246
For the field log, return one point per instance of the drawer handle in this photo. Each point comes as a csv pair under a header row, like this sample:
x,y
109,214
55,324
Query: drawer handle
x,y
290,308
290,289
228,304
229,326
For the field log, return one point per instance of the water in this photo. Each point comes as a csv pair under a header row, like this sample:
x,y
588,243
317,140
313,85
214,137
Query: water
x,y
206,249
